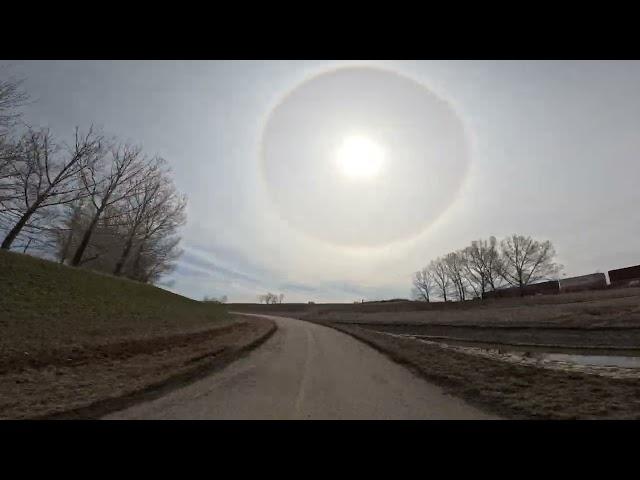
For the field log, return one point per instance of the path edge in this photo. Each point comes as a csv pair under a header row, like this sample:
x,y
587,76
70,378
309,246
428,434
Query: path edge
x,y
103,407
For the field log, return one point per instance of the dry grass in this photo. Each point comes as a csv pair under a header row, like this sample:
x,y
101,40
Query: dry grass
x,y
507,390
596,312
607,317
71,338
114,379
594,309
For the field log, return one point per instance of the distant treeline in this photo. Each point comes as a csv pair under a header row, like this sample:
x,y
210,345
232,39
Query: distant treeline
x,y
271,298
515,266
485,266
89,201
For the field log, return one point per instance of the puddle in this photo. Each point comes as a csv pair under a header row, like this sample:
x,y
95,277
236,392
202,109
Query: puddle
x,y
616,366
570,358
592,360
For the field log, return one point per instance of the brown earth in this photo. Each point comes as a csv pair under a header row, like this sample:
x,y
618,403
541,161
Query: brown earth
x,y
307,372
579,309
508,390
627,339
595,318
88,382
73,340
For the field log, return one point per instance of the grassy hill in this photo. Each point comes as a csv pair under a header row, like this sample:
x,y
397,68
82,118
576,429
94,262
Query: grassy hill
x,y
72,340
44,304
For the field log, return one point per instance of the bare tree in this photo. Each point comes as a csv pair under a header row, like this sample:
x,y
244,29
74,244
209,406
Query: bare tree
x,y
525,261
157,240
96,204
157,259
9,154
472,276
44,177
135,236
266,298
154,192
482,266
455,265
492,263
423,284
106,240
12,97
108,182
270,298
71,225
440,276
220,300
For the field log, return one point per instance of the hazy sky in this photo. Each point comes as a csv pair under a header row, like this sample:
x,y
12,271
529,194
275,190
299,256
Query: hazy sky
x,y
468,149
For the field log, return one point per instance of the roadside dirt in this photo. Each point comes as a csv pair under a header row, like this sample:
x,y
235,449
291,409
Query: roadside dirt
x,y
510,390
579,337
88,383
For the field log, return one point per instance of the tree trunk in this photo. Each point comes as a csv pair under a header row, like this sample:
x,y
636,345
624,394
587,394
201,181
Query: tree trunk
x,y
15,231
67,245
77,258
136,264
125,254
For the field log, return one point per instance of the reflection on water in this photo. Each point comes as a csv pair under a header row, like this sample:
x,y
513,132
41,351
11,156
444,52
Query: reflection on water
x,y
579,359
619,366
599,360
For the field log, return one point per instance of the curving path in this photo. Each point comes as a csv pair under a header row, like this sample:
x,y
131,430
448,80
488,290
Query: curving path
x,y
307,371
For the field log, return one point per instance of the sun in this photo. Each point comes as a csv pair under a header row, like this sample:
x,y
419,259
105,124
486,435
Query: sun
x,y
359,158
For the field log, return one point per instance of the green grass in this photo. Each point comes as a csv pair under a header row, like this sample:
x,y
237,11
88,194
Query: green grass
x,y
44,306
